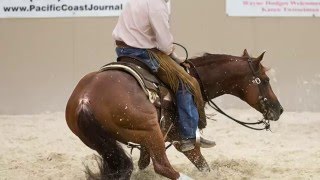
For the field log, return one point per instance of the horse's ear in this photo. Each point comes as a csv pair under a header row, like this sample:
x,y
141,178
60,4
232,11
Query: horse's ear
x,y
261,56
245,53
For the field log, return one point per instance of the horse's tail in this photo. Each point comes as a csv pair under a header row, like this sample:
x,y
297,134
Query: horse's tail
x,y
114,162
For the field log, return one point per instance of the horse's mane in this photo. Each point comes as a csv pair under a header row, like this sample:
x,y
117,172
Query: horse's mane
x,y
208,58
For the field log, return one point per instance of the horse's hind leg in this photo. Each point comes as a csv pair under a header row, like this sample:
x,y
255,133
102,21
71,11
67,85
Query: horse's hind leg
x,y
115,162
144,159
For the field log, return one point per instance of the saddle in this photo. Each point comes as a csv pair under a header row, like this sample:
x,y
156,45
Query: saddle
x,y
156,91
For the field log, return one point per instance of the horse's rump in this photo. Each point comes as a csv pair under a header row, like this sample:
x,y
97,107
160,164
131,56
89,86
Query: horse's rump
x,y
157,92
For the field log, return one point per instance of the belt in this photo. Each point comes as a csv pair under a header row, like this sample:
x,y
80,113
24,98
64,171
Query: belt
x,y
122,44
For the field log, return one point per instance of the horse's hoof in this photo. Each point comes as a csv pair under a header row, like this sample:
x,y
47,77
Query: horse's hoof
x,y
143,163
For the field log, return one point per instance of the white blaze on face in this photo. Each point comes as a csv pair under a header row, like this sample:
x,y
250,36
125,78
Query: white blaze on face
x,y
84,100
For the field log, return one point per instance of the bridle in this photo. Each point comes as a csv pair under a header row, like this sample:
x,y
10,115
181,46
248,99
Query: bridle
x,y
263,100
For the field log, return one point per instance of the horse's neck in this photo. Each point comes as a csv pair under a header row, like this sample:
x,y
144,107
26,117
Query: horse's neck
x,y
213,77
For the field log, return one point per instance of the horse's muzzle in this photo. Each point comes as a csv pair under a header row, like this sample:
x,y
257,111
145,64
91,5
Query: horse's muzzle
x,y
273,114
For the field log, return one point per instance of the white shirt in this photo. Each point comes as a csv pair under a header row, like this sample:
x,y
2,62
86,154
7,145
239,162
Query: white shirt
x,y
145,24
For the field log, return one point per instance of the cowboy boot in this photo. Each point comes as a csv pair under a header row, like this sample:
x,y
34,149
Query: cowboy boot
x,y
189,144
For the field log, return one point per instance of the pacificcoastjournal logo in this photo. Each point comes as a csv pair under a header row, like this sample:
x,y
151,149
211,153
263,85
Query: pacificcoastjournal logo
x,y
60,8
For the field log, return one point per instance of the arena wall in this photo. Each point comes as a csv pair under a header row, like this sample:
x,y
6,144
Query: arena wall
x,y
41,60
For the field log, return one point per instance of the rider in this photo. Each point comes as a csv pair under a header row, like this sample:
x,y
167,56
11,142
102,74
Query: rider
x,y
143,32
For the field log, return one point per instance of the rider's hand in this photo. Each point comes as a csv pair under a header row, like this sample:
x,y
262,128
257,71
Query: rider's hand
x,y
185,64
176,58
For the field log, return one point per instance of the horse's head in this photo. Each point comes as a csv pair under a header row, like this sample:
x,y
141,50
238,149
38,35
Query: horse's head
x,y
255,88
244,77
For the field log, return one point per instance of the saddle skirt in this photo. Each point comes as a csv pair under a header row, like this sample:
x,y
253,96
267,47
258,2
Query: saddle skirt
x,y
158,94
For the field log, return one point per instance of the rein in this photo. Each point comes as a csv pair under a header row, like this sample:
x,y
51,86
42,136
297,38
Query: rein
x,y
245,124
184,48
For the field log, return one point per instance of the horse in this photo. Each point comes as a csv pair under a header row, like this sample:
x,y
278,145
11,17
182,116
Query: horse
x,y
109,108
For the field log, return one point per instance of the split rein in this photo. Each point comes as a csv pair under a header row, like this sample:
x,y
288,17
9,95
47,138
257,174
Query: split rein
x,y
263,100
249,125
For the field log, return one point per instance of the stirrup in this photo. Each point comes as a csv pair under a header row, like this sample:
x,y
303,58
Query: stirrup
x,y
204,143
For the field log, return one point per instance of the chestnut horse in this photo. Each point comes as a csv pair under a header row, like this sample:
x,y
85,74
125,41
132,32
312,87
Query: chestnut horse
x,y
110,107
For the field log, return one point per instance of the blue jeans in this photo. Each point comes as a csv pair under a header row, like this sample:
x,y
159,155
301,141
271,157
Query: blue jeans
x,y
141,54
188,113
187,110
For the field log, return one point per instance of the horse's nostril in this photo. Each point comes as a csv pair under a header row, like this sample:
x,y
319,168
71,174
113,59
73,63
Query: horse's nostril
x,y
281,109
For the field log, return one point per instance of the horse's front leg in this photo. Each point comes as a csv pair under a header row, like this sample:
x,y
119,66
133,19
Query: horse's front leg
x,y
144,159
196,158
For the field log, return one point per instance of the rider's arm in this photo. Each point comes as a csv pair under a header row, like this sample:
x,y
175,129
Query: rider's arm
x,y
159,21
159,15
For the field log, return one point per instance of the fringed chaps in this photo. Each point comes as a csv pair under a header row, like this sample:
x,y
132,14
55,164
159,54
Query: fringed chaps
x,y
172,73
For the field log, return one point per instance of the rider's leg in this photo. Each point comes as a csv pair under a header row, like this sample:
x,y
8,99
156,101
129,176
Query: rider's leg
x,y
188,117
188,114
188,120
